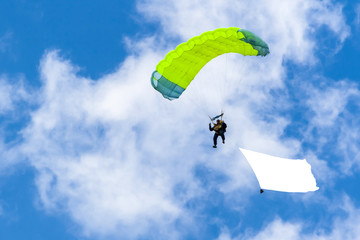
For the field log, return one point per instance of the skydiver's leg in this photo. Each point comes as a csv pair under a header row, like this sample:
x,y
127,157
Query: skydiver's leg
x,y
223,137
215,139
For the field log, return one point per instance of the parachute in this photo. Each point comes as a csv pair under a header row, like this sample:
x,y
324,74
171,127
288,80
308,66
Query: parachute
x,y
174,73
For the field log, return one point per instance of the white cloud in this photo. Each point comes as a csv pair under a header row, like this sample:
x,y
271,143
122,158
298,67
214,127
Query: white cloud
x,y
323,173
14,99
91,157
343,226
279,230
11,93
348,143
112,152
334,118
6,101
328,103
100,152
288,26
224,235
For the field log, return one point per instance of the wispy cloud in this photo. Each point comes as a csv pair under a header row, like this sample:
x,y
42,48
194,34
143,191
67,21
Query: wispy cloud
x,y
329,102
333,108
11,93
5,42
15,101
357,15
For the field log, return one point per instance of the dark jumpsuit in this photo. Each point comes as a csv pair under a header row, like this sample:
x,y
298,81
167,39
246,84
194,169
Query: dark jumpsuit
x,y
220,132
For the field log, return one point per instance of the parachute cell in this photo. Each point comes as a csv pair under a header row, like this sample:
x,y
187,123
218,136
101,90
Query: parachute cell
x,y
179,67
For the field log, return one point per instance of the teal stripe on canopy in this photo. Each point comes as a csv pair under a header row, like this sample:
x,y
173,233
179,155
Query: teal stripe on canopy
x,y
168,89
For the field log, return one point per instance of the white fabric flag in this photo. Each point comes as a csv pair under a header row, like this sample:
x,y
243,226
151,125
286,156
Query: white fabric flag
x,y
281,174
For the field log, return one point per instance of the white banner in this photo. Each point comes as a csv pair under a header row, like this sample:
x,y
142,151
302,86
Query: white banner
x,y
281,174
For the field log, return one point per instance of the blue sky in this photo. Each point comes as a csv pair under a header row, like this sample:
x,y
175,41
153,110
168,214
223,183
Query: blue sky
x,y
89,150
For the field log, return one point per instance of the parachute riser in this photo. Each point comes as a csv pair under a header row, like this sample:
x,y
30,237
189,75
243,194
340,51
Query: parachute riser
x,y
216,117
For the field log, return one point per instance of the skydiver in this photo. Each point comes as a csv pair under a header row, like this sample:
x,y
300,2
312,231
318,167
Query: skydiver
x,y
220,129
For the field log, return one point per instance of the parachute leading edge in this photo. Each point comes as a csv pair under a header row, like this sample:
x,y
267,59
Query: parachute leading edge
x,y
179,67
167,88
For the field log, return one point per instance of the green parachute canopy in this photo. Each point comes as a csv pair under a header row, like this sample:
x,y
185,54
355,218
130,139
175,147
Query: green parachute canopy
x,y
179,67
